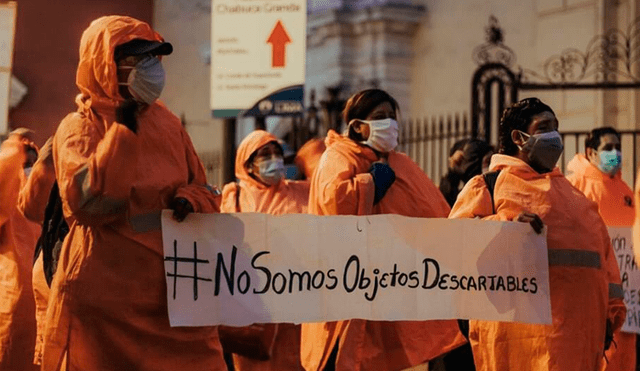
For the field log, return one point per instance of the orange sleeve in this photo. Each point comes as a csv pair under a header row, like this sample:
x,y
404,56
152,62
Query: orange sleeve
x,y
11,165
636,224
34,196
339,190
94,172
617,311
474,201
229,193
203,198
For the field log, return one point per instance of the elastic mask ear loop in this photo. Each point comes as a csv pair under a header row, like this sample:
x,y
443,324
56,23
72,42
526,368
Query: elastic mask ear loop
x,y
125,68
523,139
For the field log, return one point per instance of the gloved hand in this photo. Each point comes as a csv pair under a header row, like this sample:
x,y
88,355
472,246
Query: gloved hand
x,y
608,336
383,178
126,114
46,155
181,208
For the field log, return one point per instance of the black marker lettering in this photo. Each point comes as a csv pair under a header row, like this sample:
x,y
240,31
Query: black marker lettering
x,y
426,273
330,276
264,270
314,283
301,278
284,283
352,259
229,274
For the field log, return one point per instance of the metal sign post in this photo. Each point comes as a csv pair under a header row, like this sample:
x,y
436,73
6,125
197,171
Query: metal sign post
x,y
7,33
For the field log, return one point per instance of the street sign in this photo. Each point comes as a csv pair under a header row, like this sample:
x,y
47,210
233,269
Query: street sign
x,y
7,32
284,102
257,47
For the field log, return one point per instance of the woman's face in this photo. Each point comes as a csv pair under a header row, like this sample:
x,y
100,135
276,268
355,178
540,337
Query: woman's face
x,y
543,122
125,66
382,111
264,153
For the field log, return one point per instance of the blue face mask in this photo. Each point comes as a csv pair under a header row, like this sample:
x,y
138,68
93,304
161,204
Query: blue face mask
x,y
610,161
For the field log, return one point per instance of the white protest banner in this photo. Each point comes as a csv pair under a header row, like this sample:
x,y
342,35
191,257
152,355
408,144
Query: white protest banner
x,y
7,32
622,242
238,269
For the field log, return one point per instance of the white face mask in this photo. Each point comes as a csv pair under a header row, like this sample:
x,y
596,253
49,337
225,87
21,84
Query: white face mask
x,y
271,171
383,135
146,80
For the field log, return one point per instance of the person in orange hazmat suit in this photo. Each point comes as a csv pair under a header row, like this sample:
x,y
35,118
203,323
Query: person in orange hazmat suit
x,y
32,201
361,174
119,160
584,278
596,173
308,156
18,238
261,188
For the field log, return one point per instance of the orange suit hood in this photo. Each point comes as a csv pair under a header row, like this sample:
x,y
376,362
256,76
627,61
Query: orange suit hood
x,y
247,147
286,197
613,196
97,71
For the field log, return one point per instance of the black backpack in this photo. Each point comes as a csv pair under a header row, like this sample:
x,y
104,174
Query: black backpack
x,y
54,230
490,179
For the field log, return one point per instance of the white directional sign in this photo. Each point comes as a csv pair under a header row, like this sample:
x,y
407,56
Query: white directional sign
x,y
7,32
257,47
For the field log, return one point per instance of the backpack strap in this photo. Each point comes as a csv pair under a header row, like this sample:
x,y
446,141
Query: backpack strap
x,y
238,197
490,180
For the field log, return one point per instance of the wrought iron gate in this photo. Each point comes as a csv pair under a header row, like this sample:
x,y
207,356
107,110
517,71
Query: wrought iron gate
x,y
610,61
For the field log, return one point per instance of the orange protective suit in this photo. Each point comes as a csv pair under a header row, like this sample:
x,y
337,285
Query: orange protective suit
x,y
32,202
582,273
287,197
108,303
309,155
636,224
342,185
18,238
615,203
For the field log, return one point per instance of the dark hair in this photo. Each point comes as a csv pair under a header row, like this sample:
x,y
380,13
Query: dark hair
x,y
518,117
593,139
360,105
252,157
473,153
459,145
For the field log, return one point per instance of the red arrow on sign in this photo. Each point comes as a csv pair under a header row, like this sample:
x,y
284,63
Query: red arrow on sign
x,y
278,40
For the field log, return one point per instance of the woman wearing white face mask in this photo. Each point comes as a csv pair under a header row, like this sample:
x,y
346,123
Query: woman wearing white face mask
x,y
261,188
361,174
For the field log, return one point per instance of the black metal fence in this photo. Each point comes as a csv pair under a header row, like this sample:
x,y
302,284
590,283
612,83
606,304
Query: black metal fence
x,y
428,141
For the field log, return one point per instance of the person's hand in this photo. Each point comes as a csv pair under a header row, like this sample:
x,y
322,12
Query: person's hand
x,y
531,218
126,113
383,177
608,336
46,153
181,208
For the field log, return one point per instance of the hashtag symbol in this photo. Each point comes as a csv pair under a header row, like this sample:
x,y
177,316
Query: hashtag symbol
x,y
175,259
